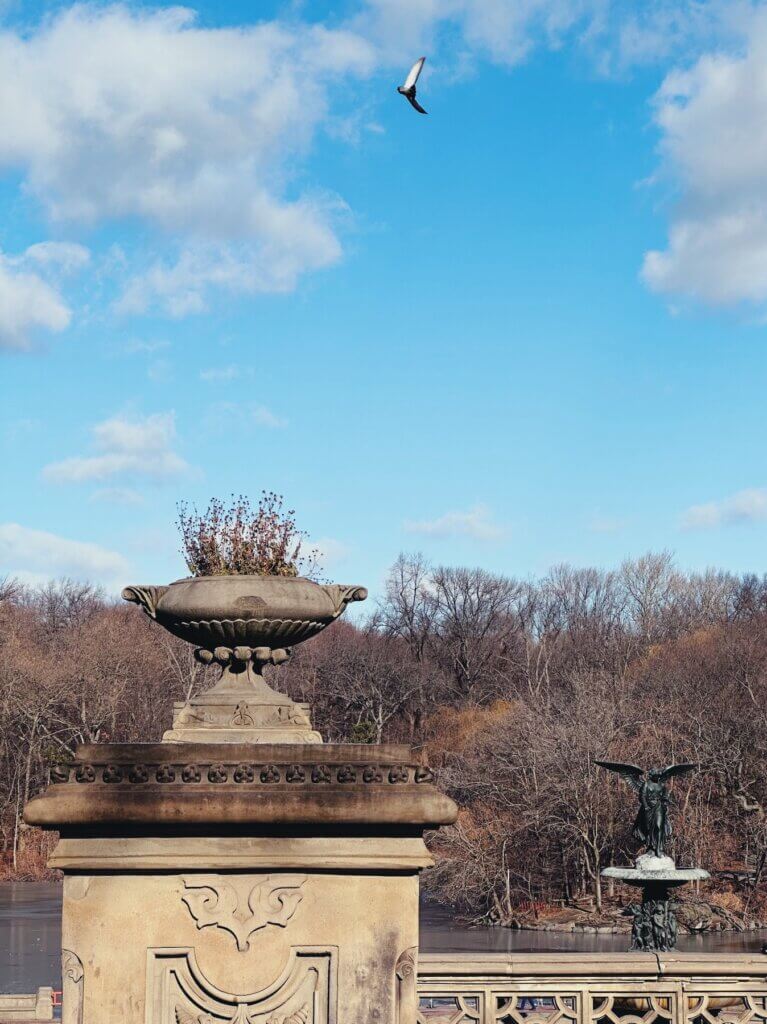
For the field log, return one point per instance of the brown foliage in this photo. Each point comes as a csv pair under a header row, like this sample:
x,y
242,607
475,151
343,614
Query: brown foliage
x,y
75,668
513,688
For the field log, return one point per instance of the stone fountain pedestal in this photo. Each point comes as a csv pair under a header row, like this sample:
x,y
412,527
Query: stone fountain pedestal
x,y
269,884
654,926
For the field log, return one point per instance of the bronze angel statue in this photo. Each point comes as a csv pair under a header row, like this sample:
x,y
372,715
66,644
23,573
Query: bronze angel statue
x,y
652,826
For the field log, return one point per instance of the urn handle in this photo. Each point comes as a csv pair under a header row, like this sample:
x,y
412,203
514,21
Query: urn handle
x,y
341,596
147,597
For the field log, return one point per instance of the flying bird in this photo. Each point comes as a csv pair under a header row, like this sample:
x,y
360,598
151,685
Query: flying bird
x,y
408,89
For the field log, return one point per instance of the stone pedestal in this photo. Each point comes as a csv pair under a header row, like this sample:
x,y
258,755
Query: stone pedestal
x,y
241,708
268,884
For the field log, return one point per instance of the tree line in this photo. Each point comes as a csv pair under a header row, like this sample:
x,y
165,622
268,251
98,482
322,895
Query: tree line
x,y
512,688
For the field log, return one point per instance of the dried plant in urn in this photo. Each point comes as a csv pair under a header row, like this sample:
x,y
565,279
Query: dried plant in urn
x,y
238,540
246,602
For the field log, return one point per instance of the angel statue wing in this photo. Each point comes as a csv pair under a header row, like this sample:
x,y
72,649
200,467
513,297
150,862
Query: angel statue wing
x,y
630,772
678,769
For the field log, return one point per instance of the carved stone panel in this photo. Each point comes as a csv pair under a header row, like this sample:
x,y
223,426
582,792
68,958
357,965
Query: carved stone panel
x,y
178,992
242,906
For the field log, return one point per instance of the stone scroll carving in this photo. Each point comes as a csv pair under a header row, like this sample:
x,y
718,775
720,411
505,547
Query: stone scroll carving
x,y
178,992
406,973
72,988
215,901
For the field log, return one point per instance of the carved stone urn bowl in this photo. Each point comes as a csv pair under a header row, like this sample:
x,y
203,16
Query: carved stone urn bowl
x,y
235,616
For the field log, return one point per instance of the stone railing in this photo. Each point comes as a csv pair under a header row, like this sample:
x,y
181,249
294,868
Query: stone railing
x,y
592,988
32,1007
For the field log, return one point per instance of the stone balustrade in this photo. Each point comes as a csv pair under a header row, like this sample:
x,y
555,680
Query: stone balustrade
x,y
592,988
27,1007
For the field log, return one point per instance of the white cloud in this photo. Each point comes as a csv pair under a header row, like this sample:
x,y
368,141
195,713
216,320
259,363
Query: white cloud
x,y
31,302
141,346
476,523
614,34
291,241
330,551
714,146
23,427
266,418
216,373
29,306
113,113
747,506
118,496
219,416
68,257
126,447
36,556
505,32
627,34
125,113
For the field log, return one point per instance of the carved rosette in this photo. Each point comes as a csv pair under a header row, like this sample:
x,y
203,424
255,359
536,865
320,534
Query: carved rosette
x,y
239,773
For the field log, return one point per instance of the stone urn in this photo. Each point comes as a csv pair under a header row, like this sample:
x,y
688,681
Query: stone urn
x,y
223,613
244,623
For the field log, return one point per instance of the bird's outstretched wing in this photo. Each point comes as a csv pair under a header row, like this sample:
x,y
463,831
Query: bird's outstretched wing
x,y
414,102
413,73
678,769
630,772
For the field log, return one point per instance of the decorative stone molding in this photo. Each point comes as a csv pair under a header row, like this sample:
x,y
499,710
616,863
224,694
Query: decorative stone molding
x,y
138,774
301,1016
215,901
280,632
179,993
72,987
238,773
244,773
27,1006
242,715
248,855
217,773
406,973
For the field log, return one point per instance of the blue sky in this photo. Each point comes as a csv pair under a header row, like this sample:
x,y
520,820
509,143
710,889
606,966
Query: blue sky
x,y
526,329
